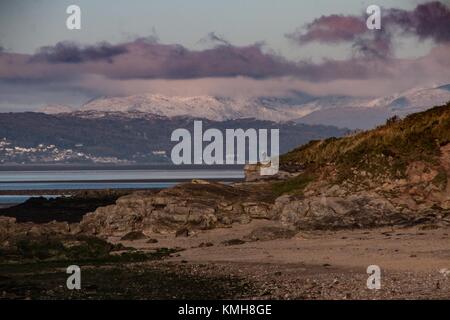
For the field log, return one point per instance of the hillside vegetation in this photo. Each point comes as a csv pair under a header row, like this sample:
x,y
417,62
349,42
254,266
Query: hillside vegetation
x,y
382,153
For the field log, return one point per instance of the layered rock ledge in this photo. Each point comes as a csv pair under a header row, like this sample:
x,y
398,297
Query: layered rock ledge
x,y
202,205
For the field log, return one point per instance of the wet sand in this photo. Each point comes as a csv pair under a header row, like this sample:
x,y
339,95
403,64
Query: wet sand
x,y
415,263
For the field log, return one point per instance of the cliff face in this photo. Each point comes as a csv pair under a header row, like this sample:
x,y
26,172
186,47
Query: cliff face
x,y
397,174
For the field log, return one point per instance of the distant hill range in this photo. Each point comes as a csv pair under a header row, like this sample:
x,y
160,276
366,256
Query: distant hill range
x,y
138,128
94,136
341,111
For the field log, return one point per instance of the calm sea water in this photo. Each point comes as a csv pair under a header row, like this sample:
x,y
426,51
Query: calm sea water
x,y
14,199
20,186
116,175
101,179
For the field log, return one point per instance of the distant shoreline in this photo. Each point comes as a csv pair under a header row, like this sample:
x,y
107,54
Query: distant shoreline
x,y
62,167
174,180
62,192
69,179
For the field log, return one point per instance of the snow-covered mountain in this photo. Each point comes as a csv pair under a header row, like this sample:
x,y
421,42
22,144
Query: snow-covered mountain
x,y
342,111
209,107
415,99
368,113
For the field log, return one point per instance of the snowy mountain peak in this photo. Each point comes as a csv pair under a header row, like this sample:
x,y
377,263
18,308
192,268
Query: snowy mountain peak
x,y
210,107
351,112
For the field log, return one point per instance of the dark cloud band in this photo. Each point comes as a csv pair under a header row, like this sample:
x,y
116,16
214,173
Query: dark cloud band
x,y
68,52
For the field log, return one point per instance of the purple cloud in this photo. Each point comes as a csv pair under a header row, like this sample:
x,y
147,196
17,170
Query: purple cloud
x,y
427,21
330,29
69,52
144,59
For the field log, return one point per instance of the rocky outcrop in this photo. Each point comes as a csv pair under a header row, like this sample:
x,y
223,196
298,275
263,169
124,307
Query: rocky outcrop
x,y
202,205
422,196
445,175
360,210
198,205
418,198
9,228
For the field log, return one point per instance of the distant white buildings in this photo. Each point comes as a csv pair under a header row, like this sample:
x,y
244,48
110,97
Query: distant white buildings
x,y
42,153
47,154
159,153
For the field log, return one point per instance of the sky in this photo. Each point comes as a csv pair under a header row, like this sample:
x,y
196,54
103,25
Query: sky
x,y
27,25
232,47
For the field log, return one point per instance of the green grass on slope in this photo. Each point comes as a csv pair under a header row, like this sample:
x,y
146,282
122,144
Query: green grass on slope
x,y
296,184
386,150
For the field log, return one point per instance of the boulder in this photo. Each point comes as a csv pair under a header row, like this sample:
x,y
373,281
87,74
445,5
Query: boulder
x,y
362,209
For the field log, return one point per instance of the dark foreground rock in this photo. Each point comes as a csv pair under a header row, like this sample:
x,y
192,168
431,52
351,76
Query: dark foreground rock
x,y
64,209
